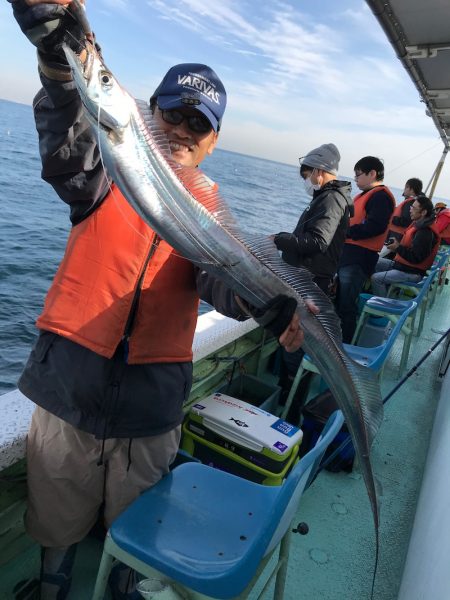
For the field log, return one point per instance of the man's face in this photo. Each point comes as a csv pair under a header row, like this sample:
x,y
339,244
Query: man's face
x,y
364,181
188,147
416,211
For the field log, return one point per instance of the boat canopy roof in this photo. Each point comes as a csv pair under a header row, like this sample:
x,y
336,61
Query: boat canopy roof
x,y
419,31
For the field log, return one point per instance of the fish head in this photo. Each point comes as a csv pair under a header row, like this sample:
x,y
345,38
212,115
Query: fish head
x,y
107,104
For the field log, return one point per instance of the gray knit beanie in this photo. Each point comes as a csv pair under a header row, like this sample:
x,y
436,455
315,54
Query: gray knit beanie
x,y
324,157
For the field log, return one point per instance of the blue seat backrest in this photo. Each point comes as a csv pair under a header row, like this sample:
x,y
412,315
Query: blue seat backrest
x,y
425,284
422,287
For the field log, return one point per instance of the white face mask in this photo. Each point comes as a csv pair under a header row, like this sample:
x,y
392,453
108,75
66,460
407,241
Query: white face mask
x,y
310,187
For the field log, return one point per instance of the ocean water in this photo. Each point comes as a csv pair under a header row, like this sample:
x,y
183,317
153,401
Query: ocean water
x,y
265,196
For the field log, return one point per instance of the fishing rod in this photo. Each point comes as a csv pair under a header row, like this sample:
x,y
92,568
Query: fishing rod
x,y
413,369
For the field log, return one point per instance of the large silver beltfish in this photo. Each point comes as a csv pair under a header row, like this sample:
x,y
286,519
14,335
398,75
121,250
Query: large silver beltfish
x,y
180,204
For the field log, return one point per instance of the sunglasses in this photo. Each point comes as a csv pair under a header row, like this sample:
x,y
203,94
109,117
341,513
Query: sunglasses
x,y
197,123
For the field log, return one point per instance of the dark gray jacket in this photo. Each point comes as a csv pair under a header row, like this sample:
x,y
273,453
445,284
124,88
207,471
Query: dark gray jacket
x,y
423,242
105,397
317,240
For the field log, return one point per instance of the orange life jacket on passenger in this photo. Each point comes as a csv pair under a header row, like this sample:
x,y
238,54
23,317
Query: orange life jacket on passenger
x,y
91,297
443,225
407,241
398,213
373,243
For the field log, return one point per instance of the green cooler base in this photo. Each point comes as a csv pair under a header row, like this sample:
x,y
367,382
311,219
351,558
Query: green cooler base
x,y
214,456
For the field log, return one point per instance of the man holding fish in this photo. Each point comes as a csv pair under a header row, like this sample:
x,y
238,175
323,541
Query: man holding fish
x,y
150,236
111,368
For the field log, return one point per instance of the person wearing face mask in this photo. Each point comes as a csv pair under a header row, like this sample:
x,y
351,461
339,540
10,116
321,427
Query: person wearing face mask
x,y
317,241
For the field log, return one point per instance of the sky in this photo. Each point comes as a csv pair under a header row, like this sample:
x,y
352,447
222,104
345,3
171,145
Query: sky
x,y
298,74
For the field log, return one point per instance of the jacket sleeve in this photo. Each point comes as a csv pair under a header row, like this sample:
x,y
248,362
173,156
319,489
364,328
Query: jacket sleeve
x,y
316,235
68,148
421,248
214,292
378,210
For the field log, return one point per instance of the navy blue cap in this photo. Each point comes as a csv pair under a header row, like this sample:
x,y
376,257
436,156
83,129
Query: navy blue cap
x,y
195,86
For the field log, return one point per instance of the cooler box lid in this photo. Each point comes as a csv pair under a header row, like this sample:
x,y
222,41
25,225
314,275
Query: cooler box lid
x,y
246,424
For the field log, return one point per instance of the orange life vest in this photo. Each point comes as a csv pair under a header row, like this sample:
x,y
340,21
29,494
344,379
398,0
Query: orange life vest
x,y
373,243
407,241
90,299
443,225
398,213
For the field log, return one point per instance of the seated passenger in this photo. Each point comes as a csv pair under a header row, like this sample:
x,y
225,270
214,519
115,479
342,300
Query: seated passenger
x,y
443,221
401,217
414,253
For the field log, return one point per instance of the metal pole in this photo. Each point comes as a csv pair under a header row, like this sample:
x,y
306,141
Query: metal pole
x,y
437,172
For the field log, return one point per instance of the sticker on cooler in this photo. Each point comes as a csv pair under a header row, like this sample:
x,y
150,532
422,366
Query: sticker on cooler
x,y
280,446
285,428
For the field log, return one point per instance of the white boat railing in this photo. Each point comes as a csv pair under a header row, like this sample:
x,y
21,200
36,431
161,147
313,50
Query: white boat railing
x,y
426,573
212,333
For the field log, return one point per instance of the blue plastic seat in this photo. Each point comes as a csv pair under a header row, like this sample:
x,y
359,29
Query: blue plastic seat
x,y
375,357
397,311
442,264
421,293
394,310
209,531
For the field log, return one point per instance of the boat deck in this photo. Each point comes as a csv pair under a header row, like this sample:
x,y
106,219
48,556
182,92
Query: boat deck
x,y
335,560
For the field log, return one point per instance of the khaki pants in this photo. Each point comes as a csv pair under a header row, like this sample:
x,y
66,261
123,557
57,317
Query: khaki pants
x,y
66,486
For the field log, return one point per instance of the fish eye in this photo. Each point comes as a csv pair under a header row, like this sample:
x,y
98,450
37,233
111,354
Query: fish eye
x,y
106,79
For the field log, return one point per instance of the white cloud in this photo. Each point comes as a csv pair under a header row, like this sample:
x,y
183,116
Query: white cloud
x,y
295,76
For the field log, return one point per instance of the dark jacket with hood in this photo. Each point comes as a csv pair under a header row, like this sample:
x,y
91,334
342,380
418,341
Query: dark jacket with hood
x,y
317,241
423,243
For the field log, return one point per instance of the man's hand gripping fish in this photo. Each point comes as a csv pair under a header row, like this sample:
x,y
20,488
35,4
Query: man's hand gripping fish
x,y
182,207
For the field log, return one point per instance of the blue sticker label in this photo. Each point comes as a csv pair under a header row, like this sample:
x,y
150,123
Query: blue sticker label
x,y
280,446
199,406
285,428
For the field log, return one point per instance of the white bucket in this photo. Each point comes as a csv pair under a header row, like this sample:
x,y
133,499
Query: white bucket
x,y
156,589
